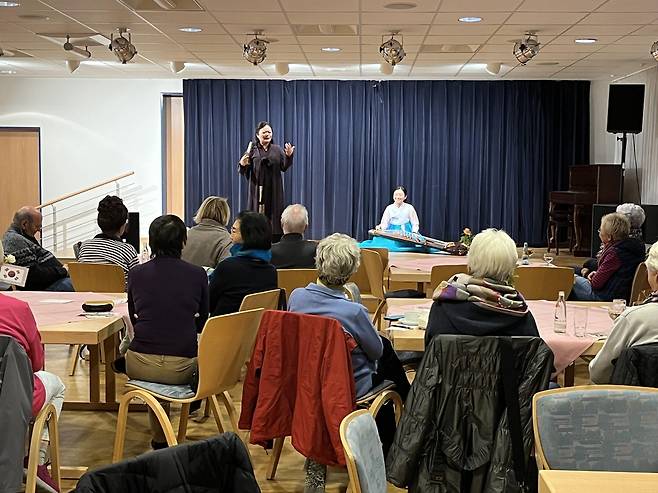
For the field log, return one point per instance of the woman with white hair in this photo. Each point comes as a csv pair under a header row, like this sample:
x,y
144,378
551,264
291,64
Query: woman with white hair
x,y
637,325
482,302
616,264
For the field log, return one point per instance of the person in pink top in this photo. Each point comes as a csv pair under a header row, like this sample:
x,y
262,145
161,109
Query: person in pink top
x,y
17,321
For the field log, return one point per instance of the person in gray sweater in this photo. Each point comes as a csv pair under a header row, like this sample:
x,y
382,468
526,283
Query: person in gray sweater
x,y
636,325
209,242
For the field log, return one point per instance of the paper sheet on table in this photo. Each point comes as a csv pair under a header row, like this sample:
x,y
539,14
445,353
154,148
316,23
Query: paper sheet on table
x,y
56,301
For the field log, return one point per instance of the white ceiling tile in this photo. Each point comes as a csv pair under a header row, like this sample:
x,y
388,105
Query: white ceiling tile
x,y
540,29
86,4
601,40
404,29
532,18
395,18
205,39
559,5
105,16
247,8
480,5
319,18
378,6
172,17
619,18
263,18
593,30
646,40
247,30
438,39
462,30
315,6
651,30
453,18
629,6
173,30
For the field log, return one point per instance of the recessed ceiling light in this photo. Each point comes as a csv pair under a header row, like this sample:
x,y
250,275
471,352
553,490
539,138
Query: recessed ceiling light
x,y
330,49
10,4
34,17
7,72
470,19
586,41
401,6
190,29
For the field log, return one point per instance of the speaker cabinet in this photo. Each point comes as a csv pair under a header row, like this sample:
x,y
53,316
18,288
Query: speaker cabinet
x,y
625,108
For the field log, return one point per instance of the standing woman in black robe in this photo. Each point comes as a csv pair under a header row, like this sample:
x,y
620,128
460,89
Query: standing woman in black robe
x,y
262,164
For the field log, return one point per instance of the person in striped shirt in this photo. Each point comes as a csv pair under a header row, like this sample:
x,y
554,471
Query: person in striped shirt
x,y
108,247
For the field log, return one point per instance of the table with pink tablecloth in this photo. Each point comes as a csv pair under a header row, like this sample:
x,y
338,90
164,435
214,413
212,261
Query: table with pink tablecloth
x,y
566,347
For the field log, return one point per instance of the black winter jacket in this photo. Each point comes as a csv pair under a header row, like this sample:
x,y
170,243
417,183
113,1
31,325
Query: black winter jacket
x,y
454,434
218,464
637,366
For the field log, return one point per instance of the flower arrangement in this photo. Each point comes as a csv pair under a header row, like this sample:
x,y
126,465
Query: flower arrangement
x,y
9,259
466,237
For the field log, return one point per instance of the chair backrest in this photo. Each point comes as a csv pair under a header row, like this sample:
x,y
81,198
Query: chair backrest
x,y
383,254
290,279
543,282
375,272
641,288
443,273
597,428
97,278
267,300
363,453
225,346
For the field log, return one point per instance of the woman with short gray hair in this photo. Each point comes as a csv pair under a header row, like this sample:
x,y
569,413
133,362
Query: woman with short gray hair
x,y
484,301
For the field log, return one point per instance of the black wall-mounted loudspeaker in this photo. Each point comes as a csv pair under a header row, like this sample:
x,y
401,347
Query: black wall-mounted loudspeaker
x,y
625,108
132,231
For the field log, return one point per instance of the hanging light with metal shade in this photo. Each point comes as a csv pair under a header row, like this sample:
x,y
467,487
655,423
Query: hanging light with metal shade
x,y
122,47
526,49
392,51
255,51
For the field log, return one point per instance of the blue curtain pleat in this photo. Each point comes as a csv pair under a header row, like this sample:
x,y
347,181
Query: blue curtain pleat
x,y
471,153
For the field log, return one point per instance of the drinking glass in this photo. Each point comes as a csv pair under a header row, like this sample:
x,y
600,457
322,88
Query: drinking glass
x,y
580,316
617,308
548,258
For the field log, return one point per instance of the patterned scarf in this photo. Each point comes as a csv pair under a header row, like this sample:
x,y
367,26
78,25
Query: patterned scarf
x,y
238,251
486,293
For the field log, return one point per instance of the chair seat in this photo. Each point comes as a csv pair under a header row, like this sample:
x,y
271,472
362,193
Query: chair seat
x,y
163,389
375,391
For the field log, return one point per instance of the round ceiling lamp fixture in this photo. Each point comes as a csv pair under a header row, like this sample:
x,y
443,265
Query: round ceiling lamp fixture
x,y
122,47
585,41
392,50
470,19
493,68
190,29
176,67
386,68
255,51
10,4
330,49
7,72
401,6
525,50
654,51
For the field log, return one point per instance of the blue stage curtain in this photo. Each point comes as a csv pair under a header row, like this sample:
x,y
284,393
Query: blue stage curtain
x,y
470,153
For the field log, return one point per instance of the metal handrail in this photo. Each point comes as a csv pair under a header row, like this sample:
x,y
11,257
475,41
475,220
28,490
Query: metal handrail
x,y
73,194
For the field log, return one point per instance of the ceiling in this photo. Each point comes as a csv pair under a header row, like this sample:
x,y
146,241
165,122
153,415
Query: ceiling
x,y
624,29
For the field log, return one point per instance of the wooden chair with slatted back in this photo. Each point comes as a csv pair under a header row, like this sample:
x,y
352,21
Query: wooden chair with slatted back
x,y
267,300
375,271
290,279
94,278
543,282
226,343
641,288
443,273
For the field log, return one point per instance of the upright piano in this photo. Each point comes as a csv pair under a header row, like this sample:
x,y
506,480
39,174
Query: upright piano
x,y
588,184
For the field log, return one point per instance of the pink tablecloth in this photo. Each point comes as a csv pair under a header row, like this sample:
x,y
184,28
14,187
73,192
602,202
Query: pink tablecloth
x,y
48,307
566,347
426,264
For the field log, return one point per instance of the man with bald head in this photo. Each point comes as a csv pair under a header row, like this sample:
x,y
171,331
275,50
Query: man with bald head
x,y
46,272
293,251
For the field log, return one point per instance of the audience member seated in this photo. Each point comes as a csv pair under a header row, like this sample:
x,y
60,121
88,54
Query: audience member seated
x,y
338,257
636,216
17,321
637,325
168,307
248,270
108,247
46,272
293,251
619,258
484,301
209,242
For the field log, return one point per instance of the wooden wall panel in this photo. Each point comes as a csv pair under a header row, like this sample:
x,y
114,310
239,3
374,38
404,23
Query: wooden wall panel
x,y
175,155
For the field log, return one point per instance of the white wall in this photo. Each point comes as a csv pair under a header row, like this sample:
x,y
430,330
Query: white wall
x,y
92,130
604,148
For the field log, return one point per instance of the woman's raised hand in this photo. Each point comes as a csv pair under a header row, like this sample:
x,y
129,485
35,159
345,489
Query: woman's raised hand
x,y
288,149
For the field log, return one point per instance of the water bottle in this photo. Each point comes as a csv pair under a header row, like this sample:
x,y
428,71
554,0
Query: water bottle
x,y
525,259
145,256
560,320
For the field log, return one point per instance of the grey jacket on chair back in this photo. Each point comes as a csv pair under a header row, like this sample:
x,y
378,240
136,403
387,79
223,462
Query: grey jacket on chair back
x,y
454,434
16,386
